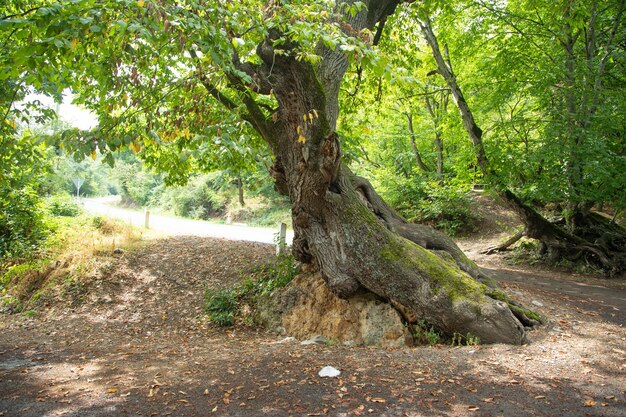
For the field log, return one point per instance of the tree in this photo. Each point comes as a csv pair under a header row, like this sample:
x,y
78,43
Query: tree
x,y
585,232
177,82
22,165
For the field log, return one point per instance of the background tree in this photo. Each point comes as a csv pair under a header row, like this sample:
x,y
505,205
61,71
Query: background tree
x,y
603,240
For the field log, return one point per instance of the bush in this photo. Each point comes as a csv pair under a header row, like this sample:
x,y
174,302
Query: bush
x,y
197,200
270,276
223,305
104,225
449,208
22,226
425,334
63,206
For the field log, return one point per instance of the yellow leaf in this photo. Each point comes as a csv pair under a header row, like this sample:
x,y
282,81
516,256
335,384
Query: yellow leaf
x,y
590,403
93,154
304,117
301,139
135,147
315,113
311,117
140,3
73,43
112,390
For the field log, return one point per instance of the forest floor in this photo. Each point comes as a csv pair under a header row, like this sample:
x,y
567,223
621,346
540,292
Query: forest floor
x,y
138,344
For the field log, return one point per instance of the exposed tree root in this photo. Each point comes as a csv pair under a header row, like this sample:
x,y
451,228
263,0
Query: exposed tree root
x,y
505,245
439,244
599,238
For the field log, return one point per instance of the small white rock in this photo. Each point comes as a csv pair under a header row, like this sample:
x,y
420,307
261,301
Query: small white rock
x,y
329,372
536,303
314,340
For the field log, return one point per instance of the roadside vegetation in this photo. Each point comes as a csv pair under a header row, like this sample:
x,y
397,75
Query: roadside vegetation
x,y
74,245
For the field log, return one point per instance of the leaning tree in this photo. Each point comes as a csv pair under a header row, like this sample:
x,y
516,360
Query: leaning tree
x,y
179,82
576,117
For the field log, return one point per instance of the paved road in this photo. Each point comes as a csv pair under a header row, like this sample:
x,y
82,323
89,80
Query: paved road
x,y
182,227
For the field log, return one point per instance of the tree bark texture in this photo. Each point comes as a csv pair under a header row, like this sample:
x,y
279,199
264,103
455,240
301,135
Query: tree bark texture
x,y
343,228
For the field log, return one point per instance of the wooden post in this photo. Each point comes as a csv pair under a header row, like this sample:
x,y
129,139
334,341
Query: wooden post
x,y
281,238
146,220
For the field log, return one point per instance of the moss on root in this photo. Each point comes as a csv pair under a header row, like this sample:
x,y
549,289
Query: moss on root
x,y
446,277
498,294
526,312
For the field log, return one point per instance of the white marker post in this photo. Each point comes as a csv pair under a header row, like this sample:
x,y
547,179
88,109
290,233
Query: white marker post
x,y
78,182
281,238
146,218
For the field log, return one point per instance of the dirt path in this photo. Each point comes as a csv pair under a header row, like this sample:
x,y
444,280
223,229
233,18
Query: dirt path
x,y
174,226
138,345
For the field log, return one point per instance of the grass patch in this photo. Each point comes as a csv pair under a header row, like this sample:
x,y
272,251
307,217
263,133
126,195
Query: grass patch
x,y
71,254
226,306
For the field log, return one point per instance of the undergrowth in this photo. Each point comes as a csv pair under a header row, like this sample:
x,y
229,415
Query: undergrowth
x,y
528,252
449,208
225,306
63,262
425,334
261,212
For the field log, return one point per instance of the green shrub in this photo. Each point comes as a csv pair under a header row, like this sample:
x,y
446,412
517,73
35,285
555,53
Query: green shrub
x,y
63,206
22,226
222,306
270,276
22,162
449,208
198,199
465,340
266,213
423,334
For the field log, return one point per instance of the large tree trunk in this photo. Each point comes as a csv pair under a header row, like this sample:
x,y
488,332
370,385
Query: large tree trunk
x,y
343,228
346,230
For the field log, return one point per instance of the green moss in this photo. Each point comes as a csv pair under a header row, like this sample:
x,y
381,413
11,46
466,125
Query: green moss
x,y
444,275
394,251
447,277
528,313
498,294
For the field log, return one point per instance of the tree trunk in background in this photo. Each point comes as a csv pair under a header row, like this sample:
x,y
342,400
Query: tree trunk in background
x,y
416,152
239,182
435,109
343,228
